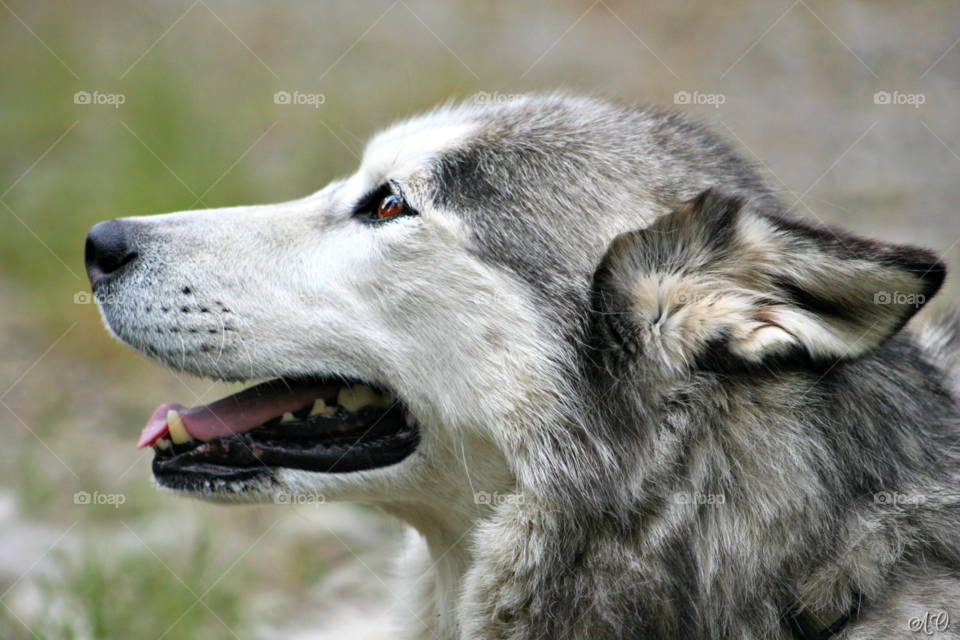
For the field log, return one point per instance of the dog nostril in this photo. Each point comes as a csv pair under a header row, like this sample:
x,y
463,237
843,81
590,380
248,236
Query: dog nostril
x,y
109,247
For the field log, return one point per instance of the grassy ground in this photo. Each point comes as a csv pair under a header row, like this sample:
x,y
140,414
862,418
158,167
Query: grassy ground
x,y
199,127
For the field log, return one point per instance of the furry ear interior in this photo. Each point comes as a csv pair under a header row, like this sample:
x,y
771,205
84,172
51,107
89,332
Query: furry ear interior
x,y
721,282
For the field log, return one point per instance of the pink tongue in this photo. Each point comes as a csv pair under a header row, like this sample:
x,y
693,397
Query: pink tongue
x,y
238,413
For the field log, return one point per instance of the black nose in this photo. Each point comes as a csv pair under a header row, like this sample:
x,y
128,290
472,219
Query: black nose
x,y
109,247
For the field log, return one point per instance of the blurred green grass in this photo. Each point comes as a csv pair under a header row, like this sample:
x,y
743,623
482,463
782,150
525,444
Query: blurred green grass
x,y
105,594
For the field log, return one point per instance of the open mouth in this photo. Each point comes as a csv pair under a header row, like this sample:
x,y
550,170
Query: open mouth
x,y
316,425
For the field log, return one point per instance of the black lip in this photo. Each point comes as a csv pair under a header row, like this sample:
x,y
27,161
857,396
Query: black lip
x,y
369,438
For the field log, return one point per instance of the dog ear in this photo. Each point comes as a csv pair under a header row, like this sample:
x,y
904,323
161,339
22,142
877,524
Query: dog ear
x,y
722,283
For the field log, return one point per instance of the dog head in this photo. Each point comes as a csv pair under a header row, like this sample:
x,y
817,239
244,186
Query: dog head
x,y
428,326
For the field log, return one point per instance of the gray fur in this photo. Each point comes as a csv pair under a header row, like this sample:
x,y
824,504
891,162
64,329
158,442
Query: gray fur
x,y
787,399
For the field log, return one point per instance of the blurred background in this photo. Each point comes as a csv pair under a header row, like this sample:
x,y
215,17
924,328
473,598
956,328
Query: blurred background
x,y
845,106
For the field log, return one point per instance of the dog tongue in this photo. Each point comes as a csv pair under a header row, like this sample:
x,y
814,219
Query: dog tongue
x,y
238,413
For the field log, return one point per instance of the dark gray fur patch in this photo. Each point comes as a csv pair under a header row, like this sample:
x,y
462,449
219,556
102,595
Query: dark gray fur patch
x,y
800,453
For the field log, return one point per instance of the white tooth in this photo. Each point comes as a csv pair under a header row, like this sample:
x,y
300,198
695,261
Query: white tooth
x,y
163,444
320,408
360,395
178,433
287,417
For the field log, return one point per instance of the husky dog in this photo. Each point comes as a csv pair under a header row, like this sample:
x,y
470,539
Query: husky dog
x,y
591,358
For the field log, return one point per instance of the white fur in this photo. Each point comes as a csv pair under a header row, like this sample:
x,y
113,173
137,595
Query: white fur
x,y
313,292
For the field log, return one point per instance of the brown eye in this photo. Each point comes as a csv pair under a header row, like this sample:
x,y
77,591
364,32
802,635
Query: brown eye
x,y
385,203
389,207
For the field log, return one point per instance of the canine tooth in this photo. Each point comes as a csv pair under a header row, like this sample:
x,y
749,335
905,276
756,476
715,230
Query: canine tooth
x,y
287,417
162,444
320,408
360,395
178,433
